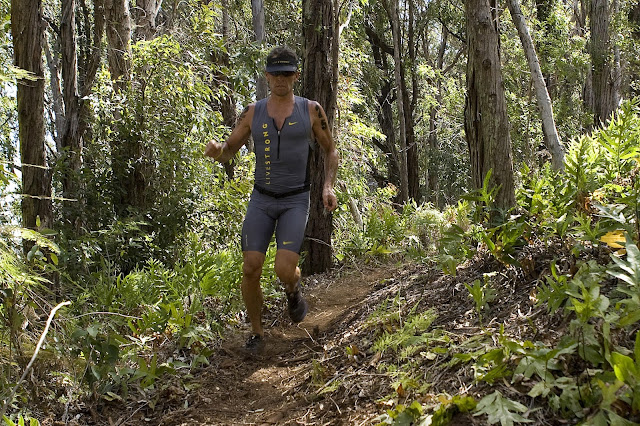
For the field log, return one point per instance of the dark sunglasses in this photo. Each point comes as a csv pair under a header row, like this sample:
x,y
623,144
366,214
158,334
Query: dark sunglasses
x,y
282,73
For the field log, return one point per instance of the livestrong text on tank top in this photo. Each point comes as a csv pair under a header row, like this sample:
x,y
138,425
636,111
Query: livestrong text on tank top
x,y
282,155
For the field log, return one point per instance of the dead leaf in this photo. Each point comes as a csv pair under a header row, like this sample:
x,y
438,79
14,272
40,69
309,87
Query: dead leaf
x,y
376,359
613,239
401,392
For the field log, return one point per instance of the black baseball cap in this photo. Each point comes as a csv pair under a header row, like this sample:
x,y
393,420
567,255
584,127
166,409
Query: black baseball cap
x,y
282,59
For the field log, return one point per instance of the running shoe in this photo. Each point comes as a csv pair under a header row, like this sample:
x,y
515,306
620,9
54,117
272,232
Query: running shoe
x,y
255,344
298,307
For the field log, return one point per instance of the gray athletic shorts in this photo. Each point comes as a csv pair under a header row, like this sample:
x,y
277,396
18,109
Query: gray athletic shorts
x,y
287,216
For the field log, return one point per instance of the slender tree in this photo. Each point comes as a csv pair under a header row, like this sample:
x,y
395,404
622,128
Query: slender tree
x,y
551,138
119,42
144,15
257,14
27,33
391,7
127,150
411,95
227,101
385,97
486,120
72,131
601,61
319,83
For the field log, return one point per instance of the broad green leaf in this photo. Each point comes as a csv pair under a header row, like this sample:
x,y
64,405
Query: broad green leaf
x,y
624,368
500,409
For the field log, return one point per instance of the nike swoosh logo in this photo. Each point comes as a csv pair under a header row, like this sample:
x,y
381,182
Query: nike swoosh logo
x,y
293,123
287,242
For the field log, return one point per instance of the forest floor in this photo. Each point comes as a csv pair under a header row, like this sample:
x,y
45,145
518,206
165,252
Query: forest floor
x,y
325,371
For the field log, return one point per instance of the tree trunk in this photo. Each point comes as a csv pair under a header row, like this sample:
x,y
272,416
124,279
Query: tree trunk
x,y
410,102
257,13
71,140
392,10
318,83
127,151
227,101
119,42
144,15
616,72
633,16
432,172
551,138
389,147
385,100
601,62
486,120
27,34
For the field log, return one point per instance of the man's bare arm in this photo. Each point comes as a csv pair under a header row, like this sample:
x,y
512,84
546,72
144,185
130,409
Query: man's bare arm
x,y
240,134
322,133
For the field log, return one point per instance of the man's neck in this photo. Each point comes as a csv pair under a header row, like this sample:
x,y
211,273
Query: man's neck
x,y
282,100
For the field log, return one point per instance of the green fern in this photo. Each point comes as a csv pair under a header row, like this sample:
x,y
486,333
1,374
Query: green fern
x,y
628,272
621,139
501,409
581,167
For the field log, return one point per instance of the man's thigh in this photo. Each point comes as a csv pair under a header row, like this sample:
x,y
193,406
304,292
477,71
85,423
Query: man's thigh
x,y
292,223
258,226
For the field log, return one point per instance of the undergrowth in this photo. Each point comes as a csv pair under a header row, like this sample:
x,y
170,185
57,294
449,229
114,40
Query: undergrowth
x,y
591,373
130,325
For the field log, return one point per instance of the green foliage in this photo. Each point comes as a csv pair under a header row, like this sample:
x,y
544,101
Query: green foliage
x,y
582,163
415,229
500,409
483,199
456,242
553,294
402,415
21,421
627,371
482,293
628,272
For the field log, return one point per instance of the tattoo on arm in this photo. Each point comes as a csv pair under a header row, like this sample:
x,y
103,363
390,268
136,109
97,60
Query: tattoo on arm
x,y
323,121
244,113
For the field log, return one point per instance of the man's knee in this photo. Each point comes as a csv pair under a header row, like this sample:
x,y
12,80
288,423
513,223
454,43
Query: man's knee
x,y
252,265
286,268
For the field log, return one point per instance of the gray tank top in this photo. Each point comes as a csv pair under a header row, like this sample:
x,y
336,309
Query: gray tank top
x,y
282,155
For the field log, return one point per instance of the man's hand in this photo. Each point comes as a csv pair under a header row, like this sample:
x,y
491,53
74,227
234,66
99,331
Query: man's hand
x,y
329,199
213,150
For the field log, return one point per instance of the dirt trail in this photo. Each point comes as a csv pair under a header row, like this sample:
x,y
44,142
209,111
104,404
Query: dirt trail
x,y
237,389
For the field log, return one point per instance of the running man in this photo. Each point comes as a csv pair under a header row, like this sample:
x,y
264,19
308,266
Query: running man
x,y
285,128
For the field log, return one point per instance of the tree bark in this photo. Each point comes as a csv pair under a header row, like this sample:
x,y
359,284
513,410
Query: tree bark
x,y
71,140
144,14
257,14
385,100
486,120
27,34
392,10
227,101
119,42
432,173
318,83
129,163
545,107
410,102
601,62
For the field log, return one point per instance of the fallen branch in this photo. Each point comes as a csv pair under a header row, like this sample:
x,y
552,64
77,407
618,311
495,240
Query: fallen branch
x,y
33,358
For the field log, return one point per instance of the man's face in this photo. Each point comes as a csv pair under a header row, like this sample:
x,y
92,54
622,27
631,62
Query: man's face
x,y
281,82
